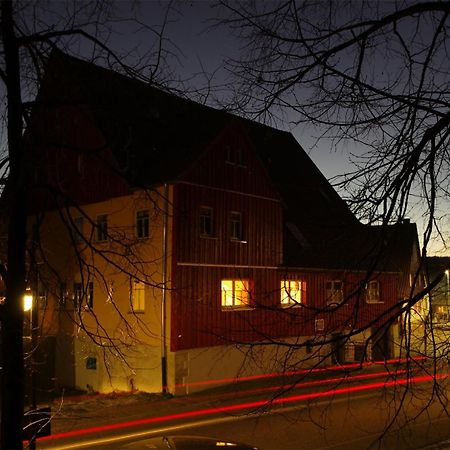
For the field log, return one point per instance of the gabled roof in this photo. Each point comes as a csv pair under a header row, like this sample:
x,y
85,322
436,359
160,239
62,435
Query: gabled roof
x,y
156,136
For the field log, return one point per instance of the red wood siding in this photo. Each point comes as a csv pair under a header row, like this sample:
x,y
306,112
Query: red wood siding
x,y
200,263
76,159
198,319
212,169
261,228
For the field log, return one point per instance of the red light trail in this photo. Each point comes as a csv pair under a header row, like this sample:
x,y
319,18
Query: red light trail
x,y
244,406
300,372
295,385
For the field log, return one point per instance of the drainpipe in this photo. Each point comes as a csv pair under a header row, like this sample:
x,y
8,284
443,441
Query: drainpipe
x,y
164,292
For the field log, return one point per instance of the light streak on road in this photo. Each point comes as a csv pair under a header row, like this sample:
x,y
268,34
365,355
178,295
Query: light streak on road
x,y
358,365
296,385
254,405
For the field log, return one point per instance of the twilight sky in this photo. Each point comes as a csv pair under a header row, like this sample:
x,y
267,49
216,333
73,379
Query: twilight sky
x,y
195,52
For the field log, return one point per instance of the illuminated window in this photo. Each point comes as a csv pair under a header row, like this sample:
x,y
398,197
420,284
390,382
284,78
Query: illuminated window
x,y
236,226
373,291
334,292
292,292
78,229
138,296
142,224
206,221
235,293
102,228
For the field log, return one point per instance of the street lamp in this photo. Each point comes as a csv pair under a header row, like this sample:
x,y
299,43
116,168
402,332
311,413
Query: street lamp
x,y
27,301
29,307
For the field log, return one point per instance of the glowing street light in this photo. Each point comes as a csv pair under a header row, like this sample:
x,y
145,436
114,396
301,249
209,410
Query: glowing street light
x,y
27,301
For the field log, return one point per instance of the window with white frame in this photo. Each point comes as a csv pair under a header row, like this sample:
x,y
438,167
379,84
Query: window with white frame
x,y
137,296
292,292
236,226
319,325
334,292
142,224
77,295
373,291
83,295
235,293
206,221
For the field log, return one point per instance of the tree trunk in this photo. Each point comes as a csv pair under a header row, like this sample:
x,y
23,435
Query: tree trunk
x,y
12,382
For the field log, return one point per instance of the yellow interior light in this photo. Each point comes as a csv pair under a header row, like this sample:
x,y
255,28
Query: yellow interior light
x,y
27,301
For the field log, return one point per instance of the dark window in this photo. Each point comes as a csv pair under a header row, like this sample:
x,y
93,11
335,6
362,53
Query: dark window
x,y
334,292
142,224
81,296
236,225
90,295
373,291
234,156
78,229
62,295
206,221
91,363
229,155
77,294
102,228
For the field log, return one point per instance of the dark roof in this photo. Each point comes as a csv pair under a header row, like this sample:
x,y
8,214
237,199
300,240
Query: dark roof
x,y
358,247
156,136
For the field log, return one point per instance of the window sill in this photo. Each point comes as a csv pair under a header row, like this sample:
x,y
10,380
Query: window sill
x,y
238,241
375,302
291,305
208,237
237,308
137,312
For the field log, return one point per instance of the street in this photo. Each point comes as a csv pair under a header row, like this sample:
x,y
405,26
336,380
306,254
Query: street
x,y
357,415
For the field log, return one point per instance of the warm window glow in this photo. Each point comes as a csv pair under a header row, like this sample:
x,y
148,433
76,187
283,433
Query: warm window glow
x,y
373,291
334,292
138,296
291,292
235,293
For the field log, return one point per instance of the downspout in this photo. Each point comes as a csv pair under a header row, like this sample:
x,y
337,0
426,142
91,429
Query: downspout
x,y
164,292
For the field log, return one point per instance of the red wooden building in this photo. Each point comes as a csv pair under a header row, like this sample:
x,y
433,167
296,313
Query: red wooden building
x,y
231,252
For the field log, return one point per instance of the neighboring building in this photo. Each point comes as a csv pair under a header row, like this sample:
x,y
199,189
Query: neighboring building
x,y
183,245
440,267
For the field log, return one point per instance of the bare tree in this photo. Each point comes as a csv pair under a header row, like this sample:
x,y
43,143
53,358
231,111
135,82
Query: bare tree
x,y
371,73
30,32
373,76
